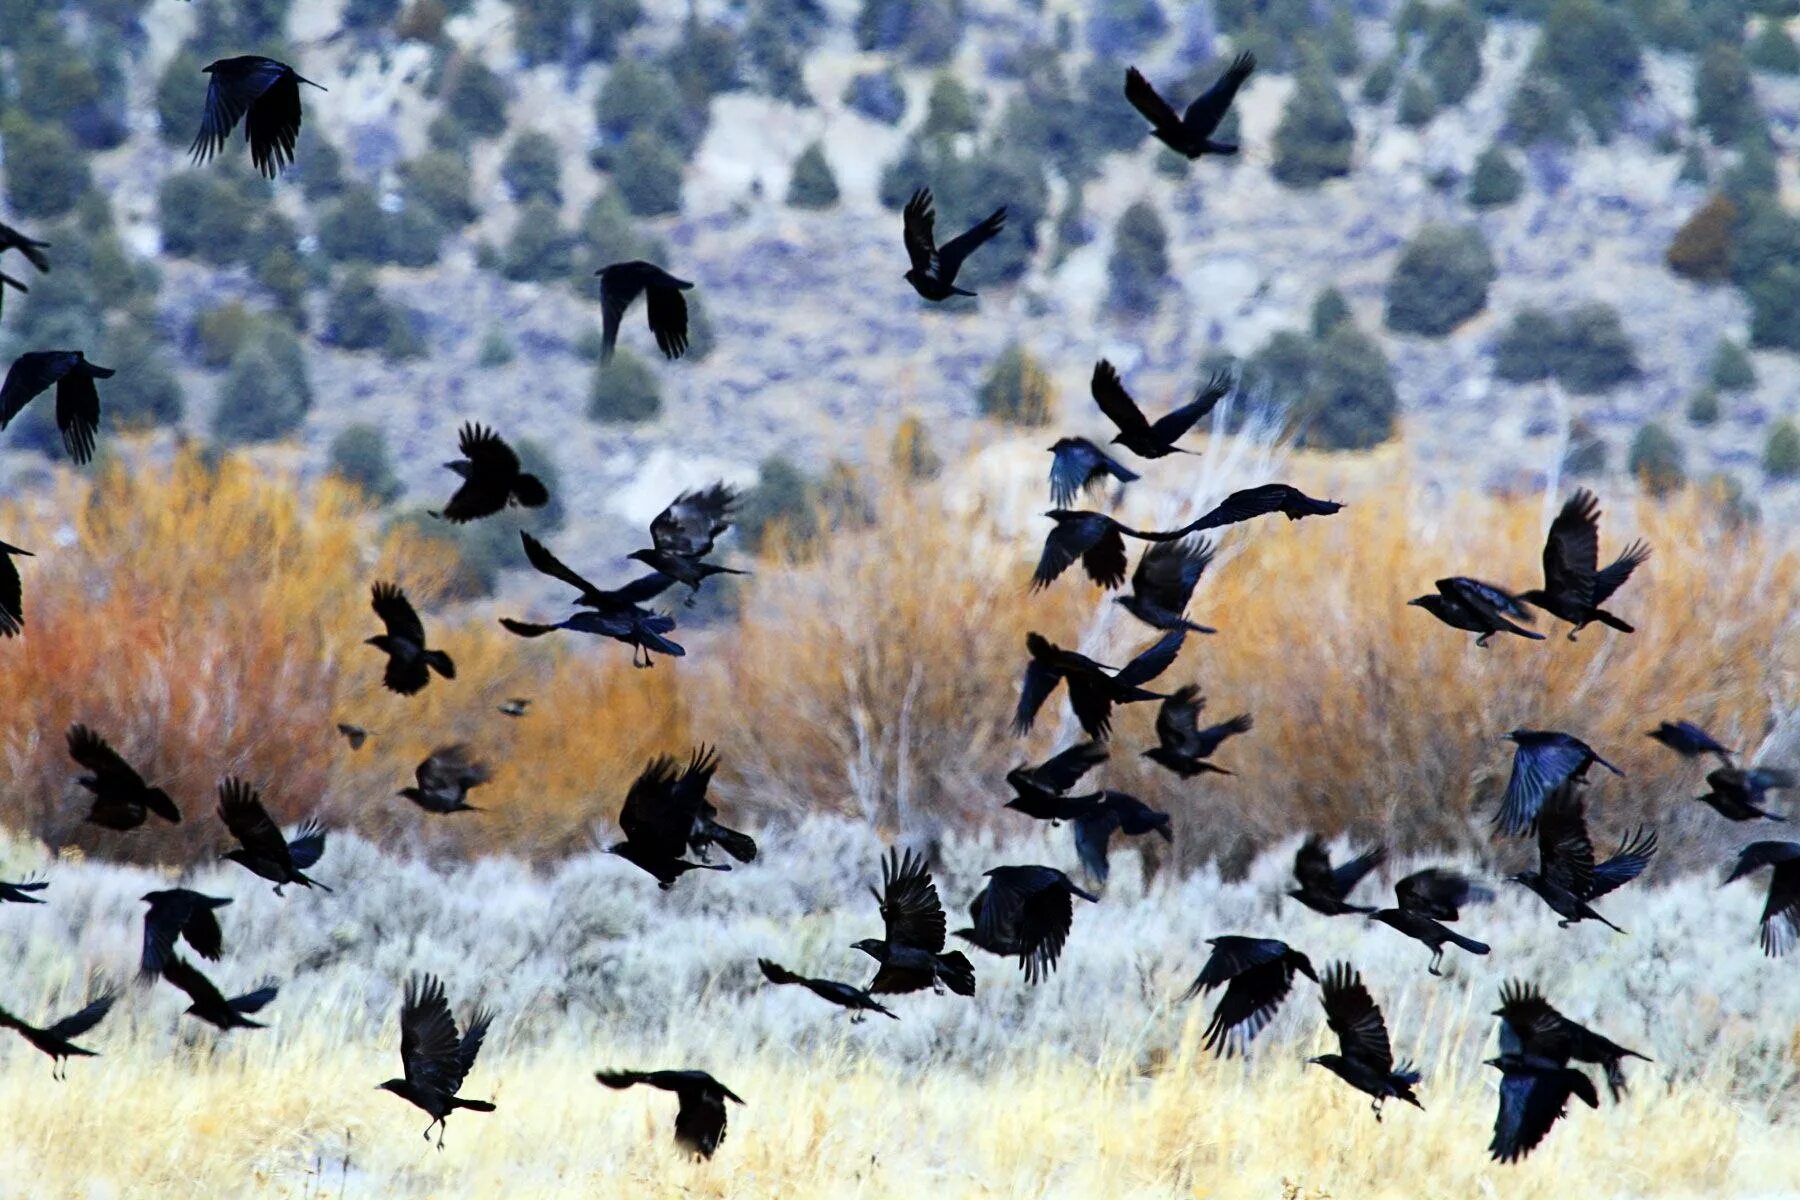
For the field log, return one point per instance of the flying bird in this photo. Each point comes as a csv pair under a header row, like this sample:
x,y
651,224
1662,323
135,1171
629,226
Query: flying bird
x,y
617,614
1426,899
58,1039
664,305
1096,539
1032,907
492,478
1080,466
1261,501
1257,974
1042,792
209,1003
1574,586
1364,1060
1470,604
121,797
404,644
180,914
20,893
1737,794
265,96
1190,134
444,779
934,267
12,592
846,996
911,950
1114,812
1092,692
700,1104
1780,924
1543,761
433,1058
1531,1028
1182,746
1533,1096
77,400
31,248
356,735
1164,582
682,535
1690,741
262,849
1567,877
659,816
1136,432
1323,888
516,706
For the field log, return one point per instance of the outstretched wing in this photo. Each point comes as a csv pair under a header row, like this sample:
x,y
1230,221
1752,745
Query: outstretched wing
x,y
1619,570
1565,852
620,284
1204,114
76,1024
396,612
1110,394
1572,550
273,123
1173,424
1626,864
1152,662
1039,681
28,377
920,221
667,311
428,1043
1260,501
78,413
1352,1015
909,903
1538,769
1167,572
1149,102
229,95
953,252
249,822
694,521
546,563
90,750
1064,770
649,817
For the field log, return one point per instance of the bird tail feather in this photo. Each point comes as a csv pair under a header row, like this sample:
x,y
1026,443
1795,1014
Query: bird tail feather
x,y
472,1105
1467,943
1607,619
958,973
440,662
740,846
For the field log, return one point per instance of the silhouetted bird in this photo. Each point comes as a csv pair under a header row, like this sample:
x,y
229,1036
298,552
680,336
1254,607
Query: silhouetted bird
x,y
31,248
1689,740
1533,1095
844,995
618,614
1543,761
1096,539
1780,925
1737,794
665,306
58,1040
707,831
434,1059
911,952
934,267
1574,588
1041,792
1464,603
210,1005
1031,906
516,706
1567,877
265,96
356,735
700,1108
1531,1028
1136,432
492,478
444,779
1261,501
262,848
176,914
1164,582
1000,940
1260,972
1324,887
20,893
1191,134
683,535
1080,466
404,644
1183,747
1426,899
121,797
1114,812
12,592
659,815
1092,692
1365,1060
77,400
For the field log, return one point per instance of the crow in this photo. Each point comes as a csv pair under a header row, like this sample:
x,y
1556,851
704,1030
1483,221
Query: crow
x,y
1543,761
1365,1061
1164,582
1183,746
262,848
1136,432
77,400
58,1039
1114,812
265,96
1689,740
1780,925
404,644
209,1003
1092,692
683,534
934,267
178,914
1567,877
356,735
20,893
444,780
1530,1027
700,1104
433,1059
617,614
1096,539
1080,466
846,996
1324,887
1261,501
1464,603
659,816
1533,1094
1574,588
121,797
12,592
911,953
492,478
516,706
1041,792
707,831
1029,907
31,248
1259,972
666,307
1737,794
999,939
1425,900
1190,134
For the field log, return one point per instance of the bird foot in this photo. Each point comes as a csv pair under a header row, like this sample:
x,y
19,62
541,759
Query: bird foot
x,y
1482,641
1572,636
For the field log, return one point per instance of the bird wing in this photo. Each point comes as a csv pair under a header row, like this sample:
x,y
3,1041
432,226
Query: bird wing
x,y
1205,113
1347,876
229,95
952,253
1494,605
307,846
250,823
1178,720
1353,1016
273,124
1619,570
1043,926
667,311
1167,572
1105,560
1110,394
1538,769
649,816
78,413
1626,864
690,525
27,378
1530,1103
1565,852
1312,866
1093,835
90,750
1152,662
619,286
1149,102
1437,892
1173,424
1530,1026
469,1047
1260,501
700,1116
1250,1002
31,248
1035,688
920,223
546,563
428,1043
1572,550
76,1024
909,903
644,587
1066,541
1064,770
1232,956
12,596
391,605
199,988
689,792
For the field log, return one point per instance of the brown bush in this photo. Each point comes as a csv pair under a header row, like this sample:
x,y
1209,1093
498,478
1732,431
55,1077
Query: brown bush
x,y
1701,248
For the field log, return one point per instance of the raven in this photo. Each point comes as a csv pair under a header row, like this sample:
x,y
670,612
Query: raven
x,y
1324,887
1533,1095
1574,588
1780,925
1261,501
666,307
1041,792
911,953
1113,812
404,644
176,914
434,1060
1689,740
491,477
444,780
121,797
1567,877
265,96
1365,1061
1529,1026
58,1039
1092,692
659,817
77,400
1190,134
700,1104
1183,747
934,267
1260,973
1136,432
1029,908
1425,900
262,848
1464,603
1543,761
12,592
1164,582
618,614
1079,466
1096,539
1737,794
844,995
209,1003
682,535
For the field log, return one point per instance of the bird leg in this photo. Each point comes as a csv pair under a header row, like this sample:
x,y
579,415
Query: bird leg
x,y
1437,956
1376,1109
1572,636
1482,641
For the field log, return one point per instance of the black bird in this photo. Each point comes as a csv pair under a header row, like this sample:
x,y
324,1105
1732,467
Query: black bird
x,y
1464,603
121,797
911,953
659,815
58,1039
1183,746
1191,134
1689,740
844,995
683,535
1533,1095
700,1108
1426,899
209,1003
617,614
1261,501
1136,432
77,400
1164,582
1260,972
12,592
1080,466
1737,794
265,96
1365,1060
516,706
1114,812
262,848
1531,1028
1574,588
177,914
444,780
1567,877
1543,761
356,735
1041,792
20,893
934,267
1324,887
492,478
1096,539
434,1060
1780,925
31,248
1092,692
404,644
1030,907
621,283
1000,940
707,831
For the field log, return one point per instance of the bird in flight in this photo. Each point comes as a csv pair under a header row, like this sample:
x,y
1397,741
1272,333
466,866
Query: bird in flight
x,y
1182,746
491,478
659,816
1543,761
707,831
934,267
262,849
265,96
1574,586
122,799
12,592
1364,1060
209,1003
515,706
434,1060
1690,741
31,248
911,953
1136,432
617,614
1529,1026
1114,812
1567,877
1779,928
682,535
1164,582
77,400
1077,466
664,305
21,892
443,780
1464,603
179,914
1534,1095
1323,888
846,996
404,644
1257,974
1041,792
356,735
1094,538
700,1104
1737,794
1028,909
1426,899
1260,501
1092,692
58,1039
1190,134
